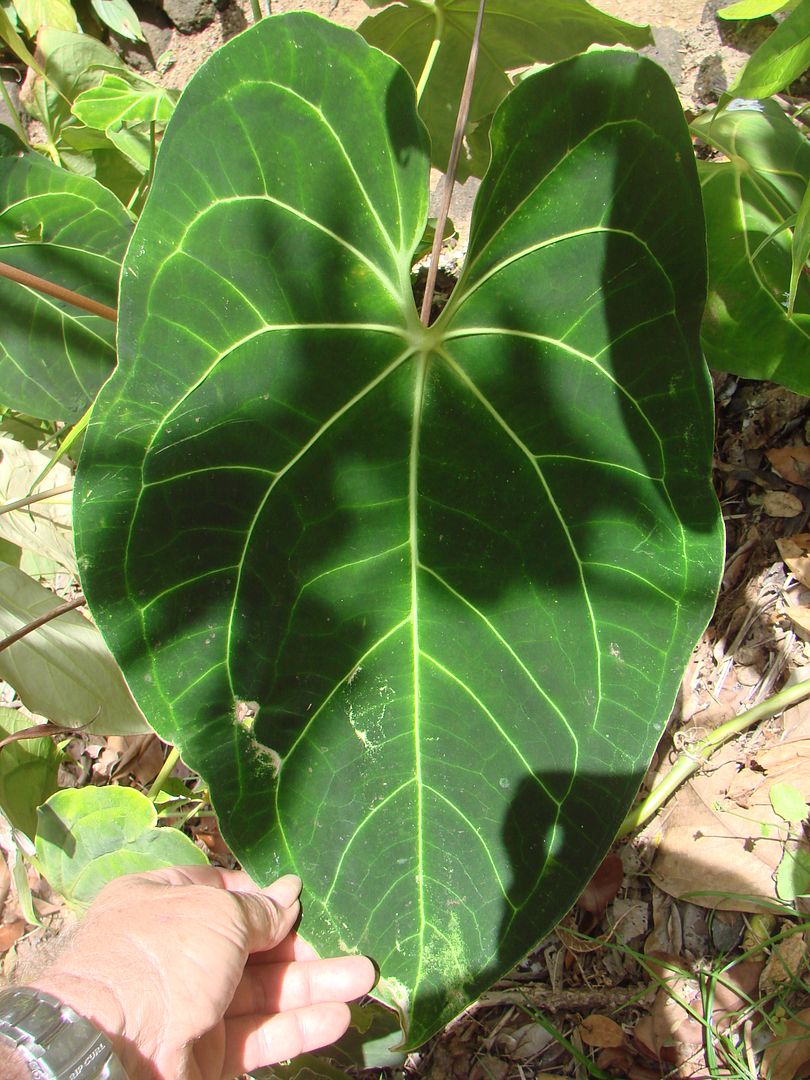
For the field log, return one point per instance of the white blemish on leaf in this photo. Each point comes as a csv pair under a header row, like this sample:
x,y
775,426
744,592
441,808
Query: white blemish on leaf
x,y
244,716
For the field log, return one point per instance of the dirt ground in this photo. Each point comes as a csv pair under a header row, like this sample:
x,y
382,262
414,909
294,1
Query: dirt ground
x,y
699,53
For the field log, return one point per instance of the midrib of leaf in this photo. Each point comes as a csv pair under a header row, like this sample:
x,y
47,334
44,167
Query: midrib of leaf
x,y
459,294
422,364
63,316
550,242
54,245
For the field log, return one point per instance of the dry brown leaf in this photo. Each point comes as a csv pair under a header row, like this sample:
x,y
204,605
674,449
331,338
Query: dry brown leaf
x,y
788,958
795,552
792,463
799,615
488,1067
733,994
11,932
207,832
5,881
600,1031
781,504
142,756
615,1060
644,1037
630,919
711,838
603,886
676,1032
786,1055
529,1041
641,1072
667,932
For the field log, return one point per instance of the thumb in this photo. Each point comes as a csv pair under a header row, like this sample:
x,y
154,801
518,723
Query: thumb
x,y
269,916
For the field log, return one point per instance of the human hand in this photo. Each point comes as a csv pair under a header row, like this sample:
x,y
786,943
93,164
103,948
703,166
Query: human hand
x,y
196,974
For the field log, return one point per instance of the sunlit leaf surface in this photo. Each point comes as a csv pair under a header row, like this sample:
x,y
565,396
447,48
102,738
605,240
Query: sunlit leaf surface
x,y
415,602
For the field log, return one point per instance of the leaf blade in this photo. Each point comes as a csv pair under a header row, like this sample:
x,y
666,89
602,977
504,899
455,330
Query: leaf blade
x,y
353,641
69,230
747,329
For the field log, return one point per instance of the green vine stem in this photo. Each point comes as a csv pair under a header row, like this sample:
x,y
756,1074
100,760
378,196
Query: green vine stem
x,y
256,11
438,15
692,759
171,760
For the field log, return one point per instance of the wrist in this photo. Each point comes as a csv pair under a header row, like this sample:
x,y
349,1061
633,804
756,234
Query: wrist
x,y
95,1001
12,1063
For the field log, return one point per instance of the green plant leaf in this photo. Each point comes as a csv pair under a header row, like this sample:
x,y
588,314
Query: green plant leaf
x,y
63,670
800,248
793,874
515,33
753,9
45,527
746,329
115,101
11,843
67,64
34,14
455,571
71,231
12,39
28,771
372,1031
781,58
120,17
88,836
788,802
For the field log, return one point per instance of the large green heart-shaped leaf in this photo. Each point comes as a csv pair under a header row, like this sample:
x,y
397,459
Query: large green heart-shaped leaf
x,y
515,33
69,230
415,602
747,200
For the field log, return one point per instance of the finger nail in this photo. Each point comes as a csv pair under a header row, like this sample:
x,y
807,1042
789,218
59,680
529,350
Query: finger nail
x,y
286,890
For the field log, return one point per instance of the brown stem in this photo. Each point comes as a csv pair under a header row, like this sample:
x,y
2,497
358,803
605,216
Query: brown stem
x,y
20,504
48,287
35,624
39,731
450,175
